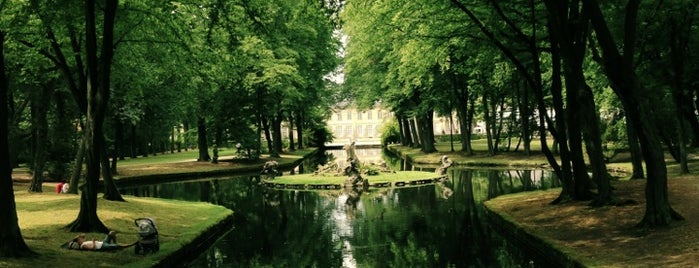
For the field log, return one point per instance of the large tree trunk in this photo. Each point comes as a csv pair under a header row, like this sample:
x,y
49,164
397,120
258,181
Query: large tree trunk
x,y
12,244
268,135
565,175
621,72
203,144
424,124
593,142
461,94
570,31
78,165
97,99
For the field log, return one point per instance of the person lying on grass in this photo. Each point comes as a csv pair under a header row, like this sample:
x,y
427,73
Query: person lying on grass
x,y
109,243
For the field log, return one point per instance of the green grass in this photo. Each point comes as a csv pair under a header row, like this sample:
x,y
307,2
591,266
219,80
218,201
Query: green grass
x,y
192,155
43,216
399,176
185,162
478,158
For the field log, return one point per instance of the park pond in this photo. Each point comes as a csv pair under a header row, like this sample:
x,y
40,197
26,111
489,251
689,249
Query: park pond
x,y
434,225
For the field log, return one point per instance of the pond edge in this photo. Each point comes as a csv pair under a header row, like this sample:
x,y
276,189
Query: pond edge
x,y
543,252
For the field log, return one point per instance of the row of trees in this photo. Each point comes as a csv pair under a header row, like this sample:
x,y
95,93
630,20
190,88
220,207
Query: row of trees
x,y
584,73
81,79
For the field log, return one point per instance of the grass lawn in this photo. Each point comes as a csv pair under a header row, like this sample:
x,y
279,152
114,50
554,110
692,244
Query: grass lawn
x,y
192,155
479,157
185,162
43,216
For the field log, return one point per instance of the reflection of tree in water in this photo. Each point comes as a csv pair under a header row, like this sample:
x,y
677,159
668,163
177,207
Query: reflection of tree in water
x,y
474,221
401,227
268,237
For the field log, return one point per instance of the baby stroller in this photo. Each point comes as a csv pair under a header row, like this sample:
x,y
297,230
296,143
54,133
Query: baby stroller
x,y
148,241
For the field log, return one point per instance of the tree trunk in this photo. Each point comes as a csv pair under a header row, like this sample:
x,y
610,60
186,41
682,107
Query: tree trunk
x,y
276,135
299,129
292,144
488,125
111,192
268,134
12,244
621,72
469,121
571,32
498,110
565,174
462,115
634,150
78,164
407,131
202,142
451,130
424,123
414,133
40,126
97,99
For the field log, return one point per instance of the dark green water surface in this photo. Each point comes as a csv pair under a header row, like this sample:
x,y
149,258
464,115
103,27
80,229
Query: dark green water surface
x,y
438,225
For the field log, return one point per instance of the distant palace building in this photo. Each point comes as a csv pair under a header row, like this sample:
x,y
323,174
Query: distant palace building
x,y
350,124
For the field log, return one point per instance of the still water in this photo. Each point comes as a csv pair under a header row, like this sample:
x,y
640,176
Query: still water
x,y
439,225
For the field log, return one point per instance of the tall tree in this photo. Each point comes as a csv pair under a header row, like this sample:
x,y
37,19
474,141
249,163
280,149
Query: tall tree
x,y
620,69
98,87
11,241
570,30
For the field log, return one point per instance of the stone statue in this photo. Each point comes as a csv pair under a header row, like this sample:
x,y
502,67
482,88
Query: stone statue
x,y
270,169
446,163
351,153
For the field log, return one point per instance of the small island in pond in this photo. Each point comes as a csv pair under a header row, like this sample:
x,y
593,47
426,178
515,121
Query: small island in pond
x,y
354,173
381,180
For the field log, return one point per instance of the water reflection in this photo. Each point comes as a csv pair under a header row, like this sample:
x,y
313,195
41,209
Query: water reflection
x,y
438,225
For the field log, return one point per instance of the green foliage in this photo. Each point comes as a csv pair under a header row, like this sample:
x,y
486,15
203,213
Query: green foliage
x,y
318,136
390,132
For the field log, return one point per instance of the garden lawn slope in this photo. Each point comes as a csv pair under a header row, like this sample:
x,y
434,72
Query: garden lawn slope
x,y
43,216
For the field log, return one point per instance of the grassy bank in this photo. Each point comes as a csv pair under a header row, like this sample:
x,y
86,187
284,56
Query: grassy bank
x,y
185,162
479,157
43,216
